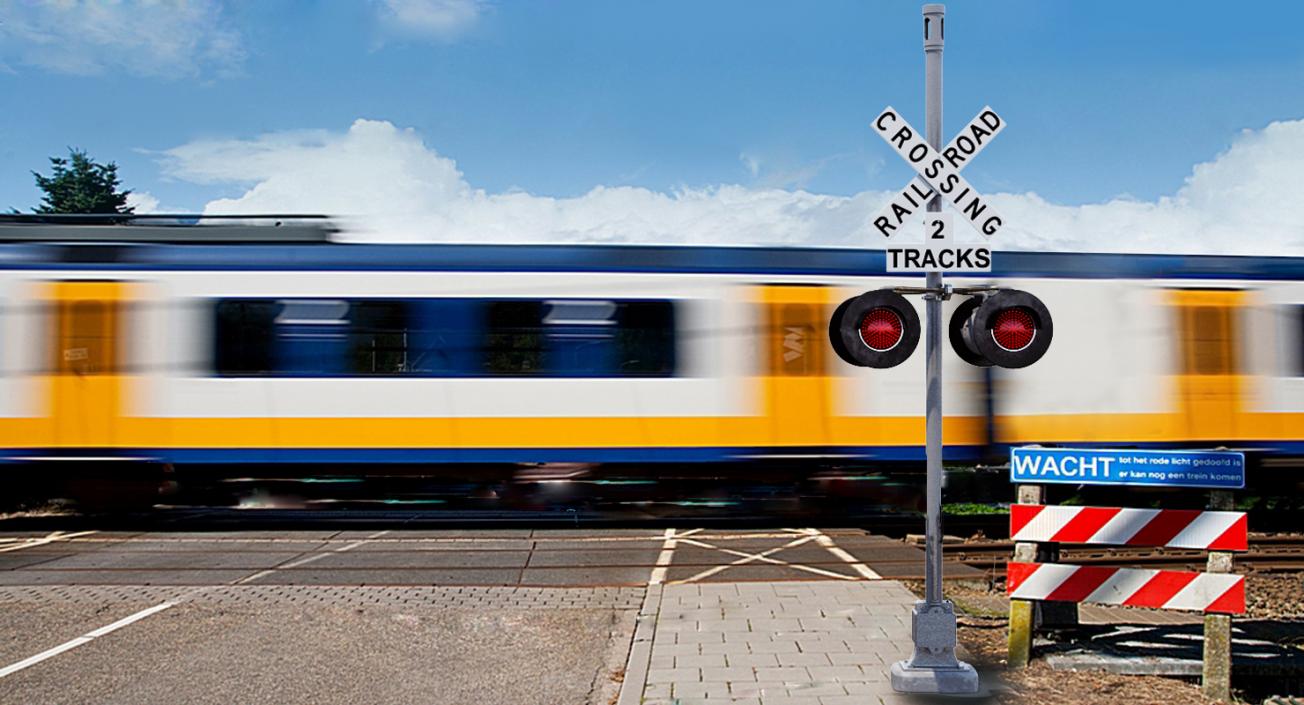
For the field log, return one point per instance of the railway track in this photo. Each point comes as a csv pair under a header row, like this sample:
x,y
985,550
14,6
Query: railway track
x,y
1269,553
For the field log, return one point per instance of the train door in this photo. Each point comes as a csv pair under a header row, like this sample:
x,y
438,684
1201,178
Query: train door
x,y
1209,378
796,372
86,390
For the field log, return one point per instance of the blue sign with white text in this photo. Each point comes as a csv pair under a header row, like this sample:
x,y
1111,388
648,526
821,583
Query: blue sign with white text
x,y
1215,469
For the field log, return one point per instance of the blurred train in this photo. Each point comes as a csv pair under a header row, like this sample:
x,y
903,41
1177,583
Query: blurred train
x,y
130,346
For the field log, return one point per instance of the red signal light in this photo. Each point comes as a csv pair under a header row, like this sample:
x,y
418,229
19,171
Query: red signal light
x,y
1014,329
876,329
881,329
1006,328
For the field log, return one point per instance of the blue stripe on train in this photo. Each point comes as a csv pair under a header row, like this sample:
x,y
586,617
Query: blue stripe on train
x,y
631,258
588,455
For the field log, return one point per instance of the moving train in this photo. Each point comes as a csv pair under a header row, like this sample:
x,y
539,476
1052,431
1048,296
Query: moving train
x,y
142,344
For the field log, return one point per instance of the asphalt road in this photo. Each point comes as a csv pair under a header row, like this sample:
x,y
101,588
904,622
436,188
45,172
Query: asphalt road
x,y
504,557
368,616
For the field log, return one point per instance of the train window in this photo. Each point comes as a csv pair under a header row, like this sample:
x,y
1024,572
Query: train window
x,y
1210,349
579,337
417,337
380,338
444,337
243,336
645,338
311,337
86,338
313,312
1299,341
514,337
794,342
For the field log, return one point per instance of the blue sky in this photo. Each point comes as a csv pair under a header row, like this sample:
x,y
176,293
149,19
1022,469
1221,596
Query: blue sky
x,y
553,99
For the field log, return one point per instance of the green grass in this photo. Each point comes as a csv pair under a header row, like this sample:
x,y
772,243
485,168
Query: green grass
x,y
974,508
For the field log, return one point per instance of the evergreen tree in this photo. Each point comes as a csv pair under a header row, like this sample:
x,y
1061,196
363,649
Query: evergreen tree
x,y
79,185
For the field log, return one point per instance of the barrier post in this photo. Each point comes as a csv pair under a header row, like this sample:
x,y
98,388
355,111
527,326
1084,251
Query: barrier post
x,y
1216,674
1053,615
1023,612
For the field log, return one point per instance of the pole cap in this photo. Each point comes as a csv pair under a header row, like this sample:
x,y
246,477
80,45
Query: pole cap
x,y
934,25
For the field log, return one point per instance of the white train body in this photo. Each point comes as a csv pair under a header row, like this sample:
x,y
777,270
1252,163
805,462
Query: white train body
x,y
500,354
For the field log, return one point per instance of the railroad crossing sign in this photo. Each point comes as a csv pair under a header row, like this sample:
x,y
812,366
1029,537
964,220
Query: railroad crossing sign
x,y
939,173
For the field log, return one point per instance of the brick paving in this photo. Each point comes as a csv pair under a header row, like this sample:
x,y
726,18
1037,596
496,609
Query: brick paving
x,y
774,643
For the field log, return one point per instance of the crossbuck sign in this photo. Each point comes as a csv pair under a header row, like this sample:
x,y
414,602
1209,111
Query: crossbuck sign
x,y
939,173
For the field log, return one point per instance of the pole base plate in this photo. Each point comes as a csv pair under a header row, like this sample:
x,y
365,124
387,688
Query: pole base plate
x,y
960,679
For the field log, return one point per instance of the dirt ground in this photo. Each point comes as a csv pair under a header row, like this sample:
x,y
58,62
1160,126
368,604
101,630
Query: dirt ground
x,y
1039,685
1275,596
983,635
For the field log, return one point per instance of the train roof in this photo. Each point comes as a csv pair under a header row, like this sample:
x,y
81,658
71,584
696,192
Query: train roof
x,y
305,244
180,228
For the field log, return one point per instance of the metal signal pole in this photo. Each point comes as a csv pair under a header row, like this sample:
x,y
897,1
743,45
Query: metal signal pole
x,y
934,37
933,668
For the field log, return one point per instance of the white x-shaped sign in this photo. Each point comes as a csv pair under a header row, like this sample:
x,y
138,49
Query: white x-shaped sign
x,y
939,172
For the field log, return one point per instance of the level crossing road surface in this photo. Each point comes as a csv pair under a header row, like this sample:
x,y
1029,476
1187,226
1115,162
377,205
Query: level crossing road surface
x,y
785,615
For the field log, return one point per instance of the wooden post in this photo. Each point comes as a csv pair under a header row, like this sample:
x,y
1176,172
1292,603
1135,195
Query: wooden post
x,y
1216,676
1053,615
1022,614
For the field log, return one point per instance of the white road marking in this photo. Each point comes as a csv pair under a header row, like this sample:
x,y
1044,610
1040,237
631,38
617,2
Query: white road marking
x,y
841,554
308,559
663,559
765,557
667,554
83,639
56,536
747,558
96,633
469,540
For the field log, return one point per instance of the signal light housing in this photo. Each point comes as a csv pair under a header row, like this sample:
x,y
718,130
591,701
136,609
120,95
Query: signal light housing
x,y
959,319
1008,328
876,329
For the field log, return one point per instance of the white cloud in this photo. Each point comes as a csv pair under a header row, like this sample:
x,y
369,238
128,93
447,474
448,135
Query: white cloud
x,y
442,20
751,162
396,188
143,203
162,38
785,173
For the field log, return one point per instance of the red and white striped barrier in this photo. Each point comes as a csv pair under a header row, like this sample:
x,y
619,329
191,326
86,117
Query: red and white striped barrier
x,y
1164,589
1172,528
